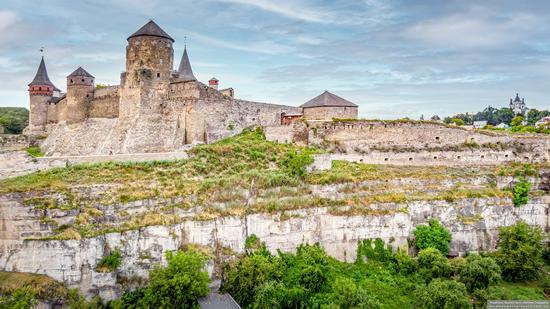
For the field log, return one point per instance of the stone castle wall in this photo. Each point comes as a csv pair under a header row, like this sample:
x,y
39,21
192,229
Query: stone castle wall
x,y
105,103
329,112
397,136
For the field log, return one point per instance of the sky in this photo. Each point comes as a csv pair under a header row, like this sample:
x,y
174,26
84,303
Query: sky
x,y
393,58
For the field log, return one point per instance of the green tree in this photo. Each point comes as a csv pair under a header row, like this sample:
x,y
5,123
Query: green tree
x,y
443,294
520,193
14,119
250,272
346,294
433,235
178,284
520,251
22,298
479,272
457,121
517,121
432,264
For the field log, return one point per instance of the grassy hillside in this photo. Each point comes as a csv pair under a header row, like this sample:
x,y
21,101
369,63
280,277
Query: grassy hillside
x,y
238,176
14,119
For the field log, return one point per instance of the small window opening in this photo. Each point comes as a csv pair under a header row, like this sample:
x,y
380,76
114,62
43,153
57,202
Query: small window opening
x,y
482,156
385,159
158,74
39,88
410,159
526,158
506,156
83,80
72,81
437,138
458,157
435,157
361,160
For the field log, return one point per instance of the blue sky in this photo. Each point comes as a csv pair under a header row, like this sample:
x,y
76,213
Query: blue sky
x,y
393,58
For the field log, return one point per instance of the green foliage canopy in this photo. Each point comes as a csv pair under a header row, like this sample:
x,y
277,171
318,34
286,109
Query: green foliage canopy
x,y
520,251
14,119
433,235
479,272
443,294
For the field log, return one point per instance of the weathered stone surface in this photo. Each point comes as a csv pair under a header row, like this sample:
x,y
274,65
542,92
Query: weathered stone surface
x,y
474,224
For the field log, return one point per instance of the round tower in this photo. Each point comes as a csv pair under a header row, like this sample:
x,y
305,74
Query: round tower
x,y
149,56
80,91
41,90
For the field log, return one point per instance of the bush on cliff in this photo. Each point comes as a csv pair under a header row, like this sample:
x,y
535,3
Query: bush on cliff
x,y
520,251
175,286
521,192
433,235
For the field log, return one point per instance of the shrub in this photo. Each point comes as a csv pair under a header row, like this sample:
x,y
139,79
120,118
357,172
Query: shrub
x,y
35,152
479,272
346,294
248,273
433,235
520,251
521,192
443,294
22,298
178,284
111,262
432,264
273,294
403,263
295,163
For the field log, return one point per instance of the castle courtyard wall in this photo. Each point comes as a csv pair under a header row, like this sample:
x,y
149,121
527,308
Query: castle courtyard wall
x,y
330,112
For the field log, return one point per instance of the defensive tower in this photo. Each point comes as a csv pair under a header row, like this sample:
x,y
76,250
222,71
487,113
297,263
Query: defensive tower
x,y
41,91
80,91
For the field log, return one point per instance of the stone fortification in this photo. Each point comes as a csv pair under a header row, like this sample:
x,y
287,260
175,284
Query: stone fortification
x,y
155,108
422,143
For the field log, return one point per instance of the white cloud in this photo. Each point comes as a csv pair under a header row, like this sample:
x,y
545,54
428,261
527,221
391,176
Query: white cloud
x,y
476,27
288,9
262,47
7,19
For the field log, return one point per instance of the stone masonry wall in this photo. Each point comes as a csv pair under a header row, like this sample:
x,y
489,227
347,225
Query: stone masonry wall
x,y
105,103
13,142
329,112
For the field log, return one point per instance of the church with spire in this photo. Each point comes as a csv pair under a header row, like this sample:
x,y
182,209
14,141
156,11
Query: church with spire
x,y
154,108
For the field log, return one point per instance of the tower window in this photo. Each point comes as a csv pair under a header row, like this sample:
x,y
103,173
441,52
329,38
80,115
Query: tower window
x,y
39,88
72,81
158,74
83,80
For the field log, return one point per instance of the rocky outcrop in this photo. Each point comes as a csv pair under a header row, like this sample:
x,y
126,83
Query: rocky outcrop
x,y
474,224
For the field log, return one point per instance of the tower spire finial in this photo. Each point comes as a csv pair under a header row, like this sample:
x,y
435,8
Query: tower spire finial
x,y
185,42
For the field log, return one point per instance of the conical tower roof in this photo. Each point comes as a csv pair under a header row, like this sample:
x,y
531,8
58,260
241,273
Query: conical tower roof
x,y
328,99
80,72
41,78
184,70
151,29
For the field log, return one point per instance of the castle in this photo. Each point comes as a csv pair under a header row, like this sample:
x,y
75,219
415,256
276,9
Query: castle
x,y
155,108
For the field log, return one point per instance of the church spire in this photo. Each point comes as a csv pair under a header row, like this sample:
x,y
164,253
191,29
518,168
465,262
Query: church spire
x,y
185,71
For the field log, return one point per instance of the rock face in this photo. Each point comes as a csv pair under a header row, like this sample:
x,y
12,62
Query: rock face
x,y
473,223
